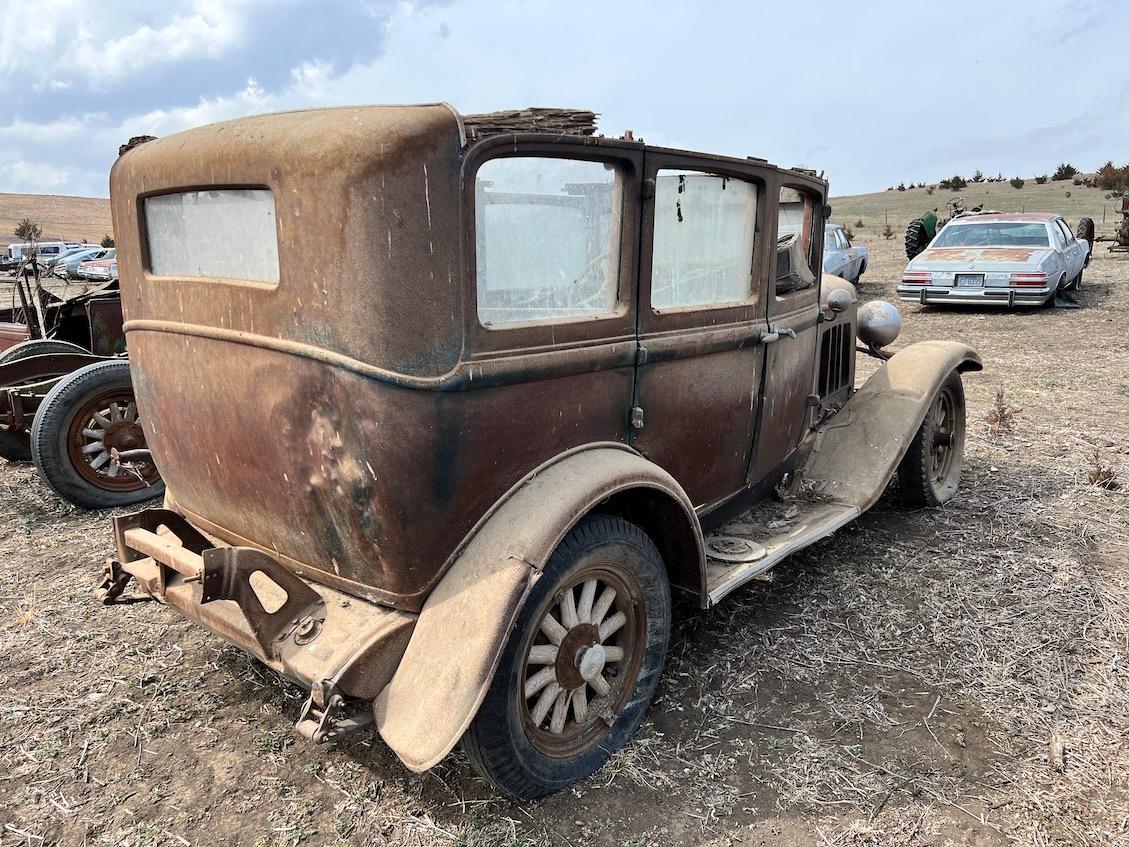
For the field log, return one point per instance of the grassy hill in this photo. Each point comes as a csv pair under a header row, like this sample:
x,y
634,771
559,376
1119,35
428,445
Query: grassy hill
x,y
901,207
62,218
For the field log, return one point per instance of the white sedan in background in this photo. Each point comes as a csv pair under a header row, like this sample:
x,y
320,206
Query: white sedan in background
x,y
997,258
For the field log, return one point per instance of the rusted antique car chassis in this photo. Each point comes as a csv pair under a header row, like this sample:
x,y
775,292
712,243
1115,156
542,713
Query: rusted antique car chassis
x,y
411,554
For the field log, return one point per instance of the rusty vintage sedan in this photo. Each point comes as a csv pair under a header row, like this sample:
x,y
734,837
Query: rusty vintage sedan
x,y
449,406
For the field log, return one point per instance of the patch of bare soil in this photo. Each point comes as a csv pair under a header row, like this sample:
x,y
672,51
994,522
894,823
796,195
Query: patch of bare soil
x,y
61,218
938,676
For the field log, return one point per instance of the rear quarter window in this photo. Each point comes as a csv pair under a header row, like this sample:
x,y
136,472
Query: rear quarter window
x,y
213,234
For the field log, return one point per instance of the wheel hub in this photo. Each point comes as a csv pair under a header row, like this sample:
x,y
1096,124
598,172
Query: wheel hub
x,y
582,664
590,661
123,435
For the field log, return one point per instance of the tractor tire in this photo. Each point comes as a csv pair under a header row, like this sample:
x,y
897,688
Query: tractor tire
x,y
1087,231
917,239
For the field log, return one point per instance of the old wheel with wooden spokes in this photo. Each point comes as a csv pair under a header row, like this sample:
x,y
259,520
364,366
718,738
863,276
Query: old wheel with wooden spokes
x,y
929,474
85,428
581,665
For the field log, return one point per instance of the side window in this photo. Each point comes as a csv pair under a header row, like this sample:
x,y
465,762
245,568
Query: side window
x,y
795,260
1056,232
1067,234
546,239
705,226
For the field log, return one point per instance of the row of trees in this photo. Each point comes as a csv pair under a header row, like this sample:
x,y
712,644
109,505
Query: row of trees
x,y
29,232
1064,171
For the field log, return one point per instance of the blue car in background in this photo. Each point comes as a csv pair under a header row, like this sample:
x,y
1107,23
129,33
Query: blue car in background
x,y
840,257
67,266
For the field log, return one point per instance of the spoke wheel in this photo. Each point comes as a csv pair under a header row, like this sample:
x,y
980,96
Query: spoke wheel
x,y
583,660
85,417
581,664
109,421
929,474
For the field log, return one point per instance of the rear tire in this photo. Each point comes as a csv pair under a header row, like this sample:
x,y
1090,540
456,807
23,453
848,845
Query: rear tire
x,y
93,405
929,474
38,347
917,239
537,731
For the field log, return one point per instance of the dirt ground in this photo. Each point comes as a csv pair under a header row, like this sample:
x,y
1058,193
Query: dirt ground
x,y
940,676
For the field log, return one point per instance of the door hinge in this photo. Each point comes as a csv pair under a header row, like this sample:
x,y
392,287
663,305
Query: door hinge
x,y
640,355
636,417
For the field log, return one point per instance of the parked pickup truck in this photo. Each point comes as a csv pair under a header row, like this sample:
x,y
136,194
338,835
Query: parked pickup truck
x,y
840,257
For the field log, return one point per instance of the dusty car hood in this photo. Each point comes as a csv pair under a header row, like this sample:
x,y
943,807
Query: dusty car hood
x,y
979,259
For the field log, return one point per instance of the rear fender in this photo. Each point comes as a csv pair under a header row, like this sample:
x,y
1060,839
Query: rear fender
x,y
463,626
857,451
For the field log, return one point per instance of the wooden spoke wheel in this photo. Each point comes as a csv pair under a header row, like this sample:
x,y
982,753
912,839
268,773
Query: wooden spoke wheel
x,y
581,663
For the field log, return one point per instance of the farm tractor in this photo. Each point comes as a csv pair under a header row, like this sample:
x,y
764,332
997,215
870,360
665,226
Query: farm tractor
x,y
1120,237
921,231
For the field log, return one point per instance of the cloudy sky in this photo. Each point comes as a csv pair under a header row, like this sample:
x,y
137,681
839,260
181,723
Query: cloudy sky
x,y
873,93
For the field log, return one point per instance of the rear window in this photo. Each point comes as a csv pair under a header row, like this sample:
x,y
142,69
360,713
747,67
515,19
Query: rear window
x,y
214,234
995,234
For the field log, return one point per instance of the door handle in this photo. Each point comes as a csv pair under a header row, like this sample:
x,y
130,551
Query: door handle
x,y
772,335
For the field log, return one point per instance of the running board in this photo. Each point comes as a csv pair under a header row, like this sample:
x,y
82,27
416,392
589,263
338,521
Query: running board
x,y
752,544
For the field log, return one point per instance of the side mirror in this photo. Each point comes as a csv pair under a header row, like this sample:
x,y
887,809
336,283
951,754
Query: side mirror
x,y
827,211
839,301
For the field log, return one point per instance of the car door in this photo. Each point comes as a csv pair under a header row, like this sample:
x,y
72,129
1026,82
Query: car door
x,y
1074,252
702,258
792,312
852,260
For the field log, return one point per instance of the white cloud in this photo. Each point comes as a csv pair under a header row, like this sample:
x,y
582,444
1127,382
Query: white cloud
x,y
210,29
677,80
34,177
58,42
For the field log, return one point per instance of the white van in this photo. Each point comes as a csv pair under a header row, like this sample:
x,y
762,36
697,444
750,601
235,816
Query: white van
x,y
45,250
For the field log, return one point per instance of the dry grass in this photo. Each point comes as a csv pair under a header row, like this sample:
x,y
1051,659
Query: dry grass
x,y
1100,473
62,218
940,676
1001,416
898,208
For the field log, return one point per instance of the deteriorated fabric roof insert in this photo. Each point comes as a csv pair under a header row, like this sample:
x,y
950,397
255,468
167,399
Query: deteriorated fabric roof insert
x,y
534,119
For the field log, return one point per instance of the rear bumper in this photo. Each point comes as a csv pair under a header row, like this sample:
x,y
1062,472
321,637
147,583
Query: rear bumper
x,y
312,634
926,295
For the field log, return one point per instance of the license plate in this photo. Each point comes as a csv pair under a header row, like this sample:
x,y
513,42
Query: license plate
x,y
970,280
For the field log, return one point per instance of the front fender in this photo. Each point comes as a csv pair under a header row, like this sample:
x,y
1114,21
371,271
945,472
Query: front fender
x,y
463,626
857,451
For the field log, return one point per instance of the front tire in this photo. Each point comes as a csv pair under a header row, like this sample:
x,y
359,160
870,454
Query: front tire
x,y
82,417
929,474
581,664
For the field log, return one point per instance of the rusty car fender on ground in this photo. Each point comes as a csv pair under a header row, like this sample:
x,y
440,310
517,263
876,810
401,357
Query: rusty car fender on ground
x,y
462,629
858,450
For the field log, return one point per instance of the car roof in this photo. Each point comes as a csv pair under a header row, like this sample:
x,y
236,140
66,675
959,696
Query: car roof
x,y
1010,217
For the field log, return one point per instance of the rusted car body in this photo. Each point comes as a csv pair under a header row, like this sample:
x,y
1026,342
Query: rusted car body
x,y
378,436
66,400
88,329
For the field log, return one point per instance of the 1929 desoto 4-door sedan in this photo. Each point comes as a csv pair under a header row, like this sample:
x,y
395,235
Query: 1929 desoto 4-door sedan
x,y
448,406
